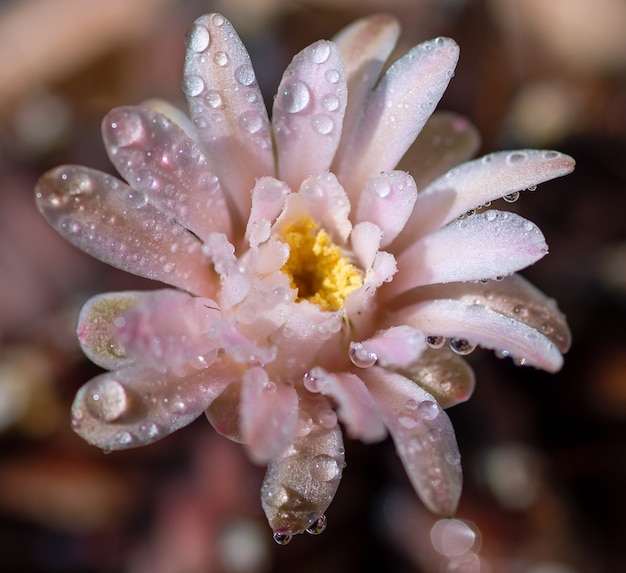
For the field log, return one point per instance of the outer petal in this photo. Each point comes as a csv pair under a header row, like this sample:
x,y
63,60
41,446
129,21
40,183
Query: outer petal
x,y
472,184
269,414
484,246
227,108
106,219
423,435
308,112
159,159
356,408
137,406
396,112
387,200
481,325
268,201
395,347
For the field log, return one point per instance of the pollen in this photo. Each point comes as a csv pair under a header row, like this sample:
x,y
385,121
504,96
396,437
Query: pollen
x,y
317,267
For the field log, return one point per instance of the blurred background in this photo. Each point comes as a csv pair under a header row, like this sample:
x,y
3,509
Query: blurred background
x,y
544,457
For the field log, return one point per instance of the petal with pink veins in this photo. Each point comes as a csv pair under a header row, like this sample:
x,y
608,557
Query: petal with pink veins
x,y
308,112
423,435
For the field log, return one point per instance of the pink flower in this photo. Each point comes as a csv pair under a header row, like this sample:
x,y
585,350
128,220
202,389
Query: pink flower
x,y
311,282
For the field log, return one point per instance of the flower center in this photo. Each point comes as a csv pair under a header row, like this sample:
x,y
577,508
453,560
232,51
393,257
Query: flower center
x,y
317,267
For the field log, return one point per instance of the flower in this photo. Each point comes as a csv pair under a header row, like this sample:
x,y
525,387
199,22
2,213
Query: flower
x,y
312,283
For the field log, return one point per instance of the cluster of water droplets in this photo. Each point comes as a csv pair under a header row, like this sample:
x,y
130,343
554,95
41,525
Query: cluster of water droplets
x,y
460,346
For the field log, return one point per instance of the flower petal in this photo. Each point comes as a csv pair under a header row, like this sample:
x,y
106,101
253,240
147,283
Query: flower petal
x,y
387,200
395,347
423,435
488,328
269,415
108,220
268,201
158,158
308,112
328,204
484,246
446,140
472,184
365,241
356,408
396,112
137,406
227,108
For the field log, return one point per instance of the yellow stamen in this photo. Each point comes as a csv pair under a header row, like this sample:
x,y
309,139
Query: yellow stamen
x,y
317,267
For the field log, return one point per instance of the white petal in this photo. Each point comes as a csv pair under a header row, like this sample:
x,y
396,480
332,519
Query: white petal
x,y
365,240
268,201
396,347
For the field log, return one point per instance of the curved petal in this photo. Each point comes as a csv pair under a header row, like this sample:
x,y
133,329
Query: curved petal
x,y
484,246
477,182
424,438
227,108
446,140
308,112
268,201
396,111
387,200
158,159
481,325
137,406
108,220
269,415
396,347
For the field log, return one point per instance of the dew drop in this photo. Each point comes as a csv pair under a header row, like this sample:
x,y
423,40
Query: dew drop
x,y
221,59
382,188
198,38
490,215
461,346
435,341
311,382
332,76
193,85
550,154
412,405
511,197
293,97
327,419
330,102
282,538
244,74
269,387
324,468
320,52
428,410
106,399
213,99
124,438
516,158
531,188
251,121
408,422
360,357
318,526
322,124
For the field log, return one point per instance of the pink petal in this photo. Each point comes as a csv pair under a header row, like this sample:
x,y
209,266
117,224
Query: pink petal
x,y
424,438
356,408
328,204
137,406
227,108
396,112
108,220
484,246
159,160
395,347
308,112
269,414
387,200
472,184
365,241
268,201
481,325
365,46
224,412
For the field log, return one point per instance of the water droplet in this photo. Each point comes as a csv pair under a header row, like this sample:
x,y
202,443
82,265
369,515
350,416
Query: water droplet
x,y
324,468
251,121
408,422
511,197
322,123
198,38
528,226
531,188
269,386
461,346
435,341
382,188
124,438
320,52
213,99
193,85
244,74
360,356
550,154
221,59
318,526
330,102
520,361
327,419
282,538
428,410
412,405
311,382
332,76
293,97
106,399
516,158
490,215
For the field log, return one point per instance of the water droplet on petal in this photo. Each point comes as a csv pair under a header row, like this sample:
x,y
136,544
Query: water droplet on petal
x,y
360,356
318,526
324,468
293,97
490,215
282,538
198,38
332,76
382,188
461,346
244,74
124,438
435,341
516,157
511,197
531,188
412,405
327,419
106,399
408,422
320,52
221,59
330,102
323,124
251,121
213,99
193,85
428,410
